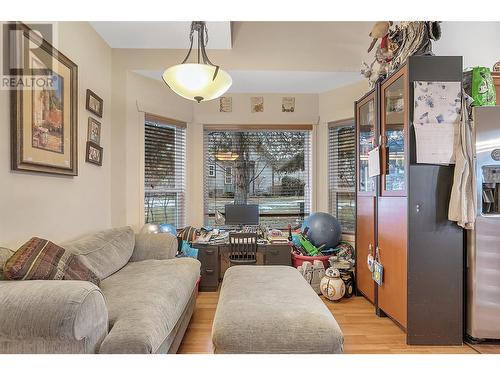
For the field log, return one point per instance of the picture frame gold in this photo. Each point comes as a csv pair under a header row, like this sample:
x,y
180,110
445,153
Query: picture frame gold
x,y
44,121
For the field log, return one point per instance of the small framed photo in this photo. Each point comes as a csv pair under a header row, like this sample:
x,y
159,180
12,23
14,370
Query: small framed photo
x,y
94,103
225,104
257,104
93,154
94,131
288,104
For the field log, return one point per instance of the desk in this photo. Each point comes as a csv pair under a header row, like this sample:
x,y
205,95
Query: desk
x,y
214,261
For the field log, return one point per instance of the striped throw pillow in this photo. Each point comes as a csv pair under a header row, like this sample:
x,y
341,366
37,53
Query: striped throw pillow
x,y
40,259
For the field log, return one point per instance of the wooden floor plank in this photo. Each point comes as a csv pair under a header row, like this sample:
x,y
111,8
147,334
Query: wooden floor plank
x,y
364,332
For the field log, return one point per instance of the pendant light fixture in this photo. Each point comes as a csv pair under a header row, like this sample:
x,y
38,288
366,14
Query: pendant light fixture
x,y
199,81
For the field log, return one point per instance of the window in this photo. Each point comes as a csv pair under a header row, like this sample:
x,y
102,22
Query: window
x,y
164,171
341,170
211,170
268,167
228,176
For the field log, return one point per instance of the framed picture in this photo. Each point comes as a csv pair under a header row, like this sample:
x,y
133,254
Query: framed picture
x,y
94,103
257,104
94,131
288,104
93,154
225,104
44,117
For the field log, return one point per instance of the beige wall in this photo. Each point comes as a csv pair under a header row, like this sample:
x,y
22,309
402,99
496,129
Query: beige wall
x,y
143,95
54,207
334,105
146,95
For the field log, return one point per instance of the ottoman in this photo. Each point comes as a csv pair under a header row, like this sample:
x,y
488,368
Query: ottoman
x,y
272,309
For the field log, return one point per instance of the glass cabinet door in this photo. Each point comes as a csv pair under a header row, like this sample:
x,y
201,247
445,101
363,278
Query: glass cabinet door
x,y
366,142
393,131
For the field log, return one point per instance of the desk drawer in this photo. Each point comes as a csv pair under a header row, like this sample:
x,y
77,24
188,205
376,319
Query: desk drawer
x,y
208,255
277,255
209,279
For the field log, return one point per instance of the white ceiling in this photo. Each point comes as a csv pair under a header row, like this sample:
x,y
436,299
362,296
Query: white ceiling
x,y
339,43
153,34
261,81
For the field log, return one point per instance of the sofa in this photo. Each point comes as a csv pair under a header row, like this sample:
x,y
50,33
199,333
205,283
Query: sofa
x,y
143,305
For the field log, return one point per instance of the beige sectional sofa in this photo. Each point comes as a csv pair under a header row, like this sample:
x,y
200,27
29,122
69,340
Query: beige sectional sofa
x,y
143,305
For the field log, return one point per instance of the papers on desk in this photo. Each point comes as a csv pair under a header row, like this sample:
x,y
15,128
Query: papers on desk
x,y
213,237
436,114
220,238
374,162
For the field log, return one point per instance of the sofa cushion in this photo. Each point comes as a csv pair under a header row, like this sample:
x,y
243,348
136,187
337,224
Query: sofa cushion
x,y
104,252
5,254
40,259
145,300
154,246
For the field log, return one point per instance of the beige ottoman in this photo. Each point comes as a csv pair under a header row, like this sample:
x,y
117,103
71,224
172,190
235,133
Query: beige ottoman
x,y
272,309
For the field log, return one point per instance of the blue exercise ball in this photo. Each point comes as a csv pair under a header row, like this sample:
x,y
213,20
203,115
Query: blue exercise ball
x,y
324,229
168,228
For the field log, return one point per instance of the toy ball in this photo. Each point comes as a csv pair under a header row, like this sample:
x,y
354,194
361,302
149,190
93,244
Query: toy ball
x,y
150,228
324,229
168,228
332,286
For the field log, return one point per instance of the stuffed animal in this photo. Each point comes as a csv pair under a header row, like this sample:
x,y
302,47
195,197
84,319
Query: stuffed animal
x,y
379,68
380,31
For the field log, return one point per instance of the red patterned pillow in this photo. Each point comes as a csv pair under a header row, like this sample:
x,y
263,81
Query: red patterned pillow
x,y
40,259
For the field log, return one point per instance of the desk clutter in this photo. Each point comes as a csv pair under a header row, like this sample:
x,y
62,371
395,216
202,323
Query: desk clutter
x,y
315,249
218,236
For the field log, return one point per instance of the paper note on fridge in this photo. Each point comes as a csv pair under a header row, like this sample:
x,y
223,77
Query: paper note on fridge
x,y
436,102
436,143
374,162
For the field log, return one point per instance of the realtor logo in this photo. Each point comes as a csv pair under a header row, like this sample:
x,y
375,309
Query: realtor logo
x,y
24,63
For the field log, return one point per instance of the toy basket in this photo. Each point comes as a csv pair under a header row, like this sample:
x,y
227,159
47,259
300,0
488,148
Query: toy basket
x,y
298,259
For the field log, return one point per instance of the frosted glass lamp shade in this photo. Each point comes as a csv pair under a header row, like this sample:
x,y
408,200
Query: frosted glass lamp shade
x,y
195,81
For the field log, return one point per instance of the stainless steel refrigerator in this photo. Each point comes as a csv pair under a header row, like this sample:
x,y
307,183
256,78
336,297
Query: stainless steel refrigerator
x,y
483,243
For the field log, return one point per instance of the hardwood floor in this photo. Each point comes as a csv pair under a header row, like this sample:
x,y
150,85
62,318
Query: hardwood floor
x,y
364,332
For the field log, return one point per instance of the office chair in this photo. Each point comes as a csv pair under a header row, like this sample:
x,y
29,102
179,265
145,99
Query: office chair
x,y
242,248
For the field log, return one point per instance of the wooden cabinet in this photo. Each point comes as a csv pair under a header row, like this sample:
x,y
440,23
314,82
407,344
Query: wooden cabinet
x,y
394,131
496,82
366,131
392,235
402,213
365,244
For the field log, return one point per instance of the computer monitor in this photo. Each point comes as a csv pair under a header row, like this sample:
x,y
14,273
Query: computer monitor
x,y
242,214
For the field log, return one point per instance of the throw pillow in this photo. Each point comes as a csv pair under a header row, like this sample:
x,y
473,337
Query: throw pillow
x,y
5,254
40,259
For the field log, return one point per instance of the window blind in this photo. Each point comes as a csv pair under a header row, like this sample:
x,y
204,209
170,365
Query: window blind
x,y
341,171
268,167
164,171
